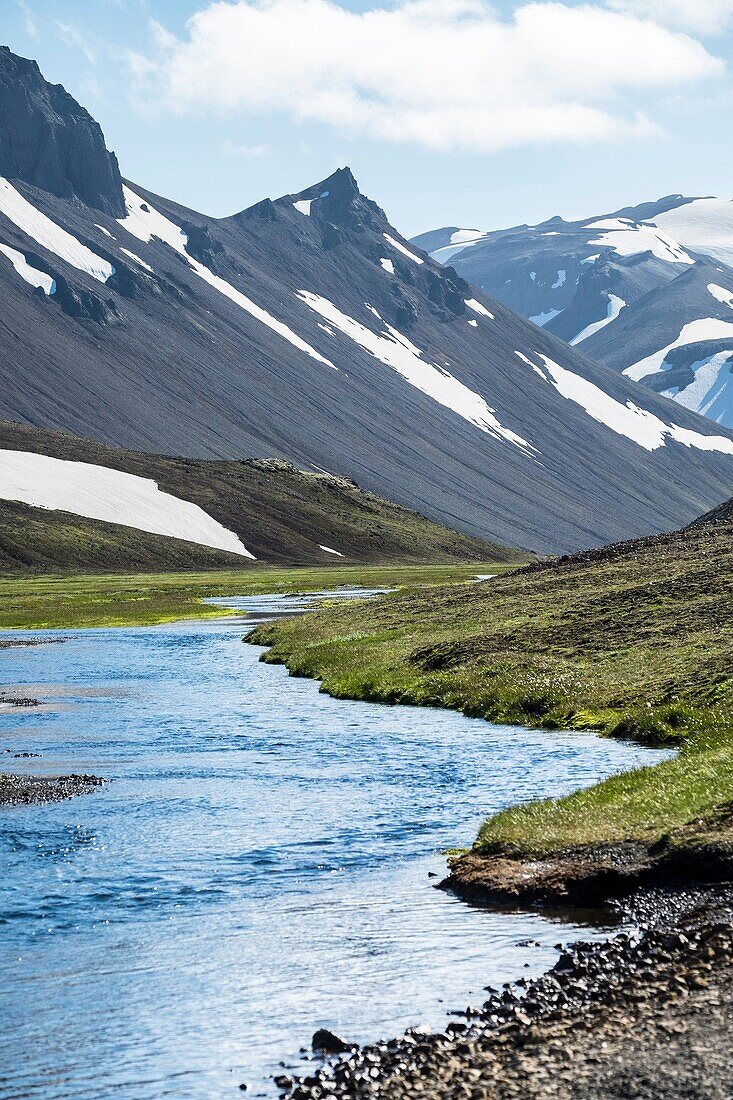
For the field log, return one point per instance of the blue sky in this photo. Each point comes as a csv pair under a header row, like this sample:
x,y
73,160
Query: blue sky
x,y
448,111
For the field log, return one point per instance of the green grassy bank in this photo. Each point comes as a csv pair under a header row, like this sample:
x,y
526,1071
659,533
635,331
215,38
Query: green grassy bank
x,y
632,641
137,599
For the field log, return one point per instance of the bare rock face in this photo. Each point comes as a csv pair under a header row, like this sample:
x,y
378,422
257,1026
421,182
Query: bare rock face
x,y
47,139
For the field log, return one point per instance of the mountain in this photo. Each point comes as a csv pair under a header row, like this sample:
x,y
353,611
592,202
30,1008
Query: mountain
x,y
71,503
647,290
307,329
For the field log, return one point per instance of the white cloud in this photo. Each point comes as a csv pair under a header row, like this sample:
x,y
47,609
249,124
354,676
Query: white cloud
x,y
29,21
71,36
247,152
697,16
445,74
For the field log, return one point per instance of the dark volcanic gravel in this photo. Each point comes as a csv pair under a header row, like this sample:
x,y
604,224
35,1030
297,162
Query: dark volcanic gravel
x,y
25,790
23,643
638,1017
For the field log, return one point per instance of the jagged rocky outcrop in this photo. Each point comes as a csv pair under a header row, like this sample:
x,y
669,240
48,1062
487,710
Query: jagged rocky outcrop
x,y
49,140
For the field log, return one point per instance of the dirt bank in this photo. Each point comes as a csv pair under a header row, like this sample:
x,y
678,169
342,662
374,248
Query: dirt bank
x,y
592,874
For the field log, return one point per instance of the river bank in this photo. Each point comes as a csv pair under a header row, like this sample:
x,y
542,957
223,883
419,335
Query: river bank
x,y
643,1016
633,641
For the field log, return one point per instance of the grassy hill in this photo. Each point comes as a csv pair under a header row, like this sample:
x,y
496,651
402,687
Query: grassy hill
x,y
283,515
632,640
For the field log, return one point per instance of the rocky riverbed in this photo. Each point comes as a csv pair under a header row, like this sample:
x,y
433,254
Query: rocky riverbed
x,y
25,790
636,1016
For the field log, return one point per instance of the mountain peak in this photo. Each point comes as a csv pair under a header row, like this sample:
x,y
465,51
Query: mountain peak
x,y
50,141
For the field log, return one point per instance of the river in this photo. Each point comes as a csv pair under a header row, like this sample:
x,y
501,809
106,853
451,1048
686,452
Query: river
x,y
259,865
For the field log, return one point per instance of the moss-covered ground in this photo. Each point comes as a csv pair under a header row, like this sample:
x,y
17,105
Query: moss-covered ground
x,y
122,599
632,641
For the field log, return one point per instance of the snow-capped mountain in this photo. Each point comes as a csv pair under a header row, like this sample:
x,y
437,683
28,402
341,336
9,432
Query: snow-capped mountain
x,y
645,290
308,329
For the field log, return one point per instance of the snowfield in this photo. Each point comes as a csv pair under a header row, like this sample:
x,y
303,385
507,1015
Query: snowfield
x,y
704,225
145,223
395,351
638,425
711,392
615,305
27,273
629,238
696,332
98,492
51,236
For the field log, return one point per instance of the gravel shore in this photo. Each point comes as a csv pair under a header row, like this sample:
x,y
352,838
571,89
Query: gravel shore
x,y
644,1016
26,790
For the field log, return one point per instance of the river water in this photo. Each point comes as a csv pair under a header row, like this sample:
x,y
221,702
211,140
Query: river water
x,y
258,867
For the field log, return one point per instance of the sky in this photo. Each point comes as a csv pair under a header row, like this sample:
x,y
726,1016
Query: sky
x,y
449,112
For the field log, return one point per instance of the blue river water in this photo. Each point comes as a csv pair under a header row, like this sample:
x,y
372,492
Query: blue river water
x,y
258,866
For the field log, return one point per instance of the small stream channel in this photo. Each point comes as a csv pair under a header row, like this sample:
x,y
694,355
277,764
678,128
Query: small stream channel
x,y
259,866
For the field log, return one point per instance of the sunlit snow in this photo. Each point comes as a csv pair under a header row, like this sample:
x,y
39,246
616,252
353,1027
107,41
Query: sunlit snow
x,y
144,222
615,305
303,206
29,274
477,307
137,260
103,230
387,265
401,248
330,550
704,225
396,351
629,238
51,236
98,492
637,424
711,392
695,332
722,295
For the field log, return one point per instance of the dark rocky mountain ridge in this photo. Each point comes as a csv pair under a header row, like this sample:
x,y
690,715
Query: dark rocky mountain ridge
x,y
308,329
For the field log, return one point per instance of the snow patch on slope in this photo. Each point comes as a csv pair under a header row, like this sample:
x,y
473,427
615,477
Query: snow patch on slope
x,y
396,351
721,294
137,260
144,222
704,225
303,206
637,424
330,550
629,238
51,236
98,492
29,274
542,319
401,248
711,392
387,265
560,281
477,307
615,305
696,332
